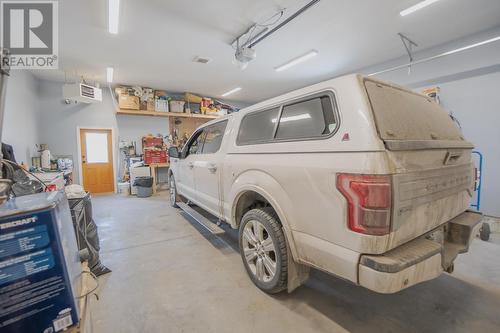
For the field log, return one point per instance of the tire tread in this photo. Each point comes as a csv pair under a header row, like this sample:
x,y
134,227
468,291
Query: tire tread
x,y
269,215
178,198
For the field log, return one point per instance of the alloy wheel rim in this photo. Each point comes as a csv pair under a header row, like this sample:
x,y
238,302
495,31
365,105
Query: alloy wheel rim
x,y
259,251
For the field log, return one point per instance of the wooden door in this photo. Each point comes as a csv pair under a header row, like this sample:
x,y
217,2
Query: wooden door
x,y
97,160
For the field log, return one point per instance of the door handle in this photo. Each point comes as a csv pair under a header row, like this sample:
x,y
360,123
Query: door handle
x,y
212,168
190,165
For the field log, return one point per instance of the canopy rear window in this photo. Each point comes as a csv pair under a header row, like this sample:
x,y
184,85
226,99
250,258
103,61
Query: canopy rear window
x,y
404,115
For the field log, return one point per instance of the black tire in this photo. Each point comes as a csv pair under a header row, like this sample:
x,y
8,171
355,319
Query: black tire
x,y
268,218
173,187
484,232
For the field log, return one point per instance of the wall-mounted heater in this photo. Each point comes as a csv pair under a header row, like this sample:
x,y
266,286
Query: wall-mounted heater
x,y
83,93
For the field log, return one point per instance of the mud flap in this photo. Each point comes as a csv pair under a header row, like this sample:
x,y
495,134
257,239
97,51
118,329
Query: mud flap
x,y
297,273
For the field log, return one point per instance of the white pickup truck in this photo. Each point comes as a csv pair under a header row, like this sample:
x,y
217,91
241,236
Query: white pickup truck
x,y
356,177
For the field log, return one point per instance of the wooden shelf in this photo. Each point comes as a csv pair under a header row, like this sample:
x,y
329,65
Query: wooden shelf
x,y
164,114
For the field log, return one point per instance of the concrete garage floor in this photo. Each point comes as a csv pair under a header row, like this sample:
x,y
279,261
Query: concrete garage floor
x,y
170,276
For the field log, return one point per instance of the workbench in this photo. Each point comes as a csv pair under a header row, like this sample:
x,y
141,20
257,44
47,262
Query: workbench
x,y
154,167
57,178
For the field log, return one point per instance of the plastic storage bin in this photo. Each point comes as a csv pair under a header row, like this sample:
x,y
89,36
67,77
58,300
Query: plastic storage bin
x,y
177,106
124,189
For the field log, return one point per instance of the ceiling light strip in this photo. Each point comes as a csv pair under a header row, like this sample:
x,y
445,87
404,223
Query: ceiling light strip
x,y
232,91
444,54
113,16
416,7
109,74
297,61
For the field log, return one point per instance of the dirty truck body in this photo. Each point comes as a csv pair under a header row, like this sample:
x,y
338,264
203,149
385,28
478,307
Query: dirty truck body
x,y
374,191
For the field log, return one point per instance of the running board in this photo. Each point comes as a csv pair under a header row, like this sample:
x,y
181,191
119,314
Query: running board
x,y
202,220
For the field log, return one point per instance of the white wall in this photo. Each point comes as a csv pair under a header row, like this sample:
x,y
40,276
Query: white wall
x,y
470,83
59,122
133,128
475,102
21,116
35,112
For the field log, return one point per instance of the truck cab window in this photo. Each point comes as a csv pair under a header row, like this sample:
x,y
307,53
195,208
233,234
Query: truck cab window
x,y
258,126
213,138
308,119
195,145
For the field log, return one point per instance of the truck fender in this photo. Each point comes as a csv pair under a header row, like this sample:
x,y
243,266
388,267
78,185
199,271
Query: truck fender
x,y
266,186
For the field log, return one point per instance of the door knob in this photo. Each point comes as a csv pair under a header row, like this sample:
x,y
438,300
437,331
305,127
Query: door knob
x,y
190,165
212,168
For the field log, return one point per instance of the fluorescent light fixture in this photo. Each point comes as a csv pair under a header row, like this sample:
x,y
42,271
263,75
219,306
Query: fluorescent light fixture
x,y
113,16
416,7
292,118
297,60
232,91
109,74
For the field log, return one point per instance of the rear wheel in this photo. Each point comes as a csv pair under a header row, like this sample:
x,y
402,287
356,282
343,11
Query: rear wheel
x,y
263,249
174,197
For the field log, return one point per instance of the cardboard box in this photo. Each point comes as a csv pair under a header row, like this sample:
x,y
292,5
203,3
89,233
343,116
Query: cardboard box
x,y
128,102
152,142
150,106
191,98
124,90
161,93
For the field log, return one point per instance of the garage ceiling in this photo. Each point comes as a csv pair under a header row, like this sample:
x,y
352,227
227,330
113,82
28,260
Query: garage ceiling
x,y
158,40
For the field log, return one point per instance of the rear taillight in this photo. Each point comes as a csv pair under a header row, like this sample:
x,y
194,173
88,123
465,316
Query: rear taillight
x,y
369,200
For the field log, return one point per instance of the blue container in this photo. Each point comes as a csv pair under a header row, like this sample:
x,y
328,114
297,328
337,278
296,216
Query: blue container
x,y
40,272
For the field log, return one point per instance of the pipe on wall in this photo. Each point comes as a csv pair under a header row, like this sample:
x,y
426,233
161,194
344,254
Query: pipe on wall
x,y
437,56
4,74
288,19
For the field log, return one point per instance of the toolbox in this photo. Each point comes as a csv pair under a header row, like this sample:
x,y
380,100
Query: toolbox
x,y
155,156
150,142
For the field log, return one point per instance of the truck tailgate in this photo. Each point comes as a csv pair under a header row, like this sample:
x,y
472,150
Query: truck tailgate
x,y
425,199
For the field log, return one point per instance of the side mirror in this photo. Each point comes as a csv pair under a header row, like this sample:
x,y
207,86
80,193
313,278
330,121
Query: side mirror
x,y
173,152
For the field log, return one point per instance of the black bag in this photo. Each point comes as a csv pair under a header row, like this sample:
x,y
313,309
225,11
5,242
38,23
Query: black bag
x,y
145,181
86,232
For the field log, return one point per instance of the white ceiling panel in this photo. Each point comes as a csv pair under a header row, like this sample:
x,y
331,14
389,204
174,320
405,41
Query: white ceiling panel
x,y
158,40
